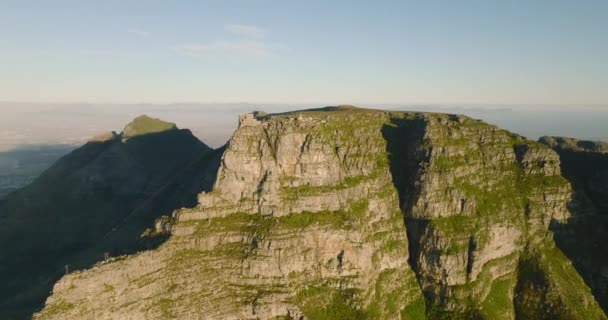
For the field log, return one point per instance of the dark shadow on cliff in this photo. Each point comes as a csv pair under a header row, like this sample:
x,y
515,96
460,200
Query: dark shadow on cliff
x,y
584,237
408,157
98,199
403,139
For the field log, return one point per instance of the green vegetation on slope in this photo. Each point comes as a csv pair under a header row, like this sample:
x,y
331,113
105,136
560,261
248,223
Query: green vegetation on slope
x,y
146,125
499,302
324,302
550,288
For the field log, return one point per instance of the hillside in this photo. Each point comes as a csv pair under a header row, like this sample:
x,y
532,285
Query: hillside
x,y
584,235
98,199
347,213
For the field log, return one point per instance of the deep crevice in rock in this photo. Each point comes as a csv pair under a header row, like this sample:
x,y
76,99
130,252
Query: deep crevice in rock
x,y
471,255
406,159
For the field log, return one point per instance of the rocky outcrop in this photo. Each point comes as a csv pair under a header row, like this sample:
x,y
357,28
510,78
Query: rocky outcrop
x,y
477,198
582,237
346,213
96,200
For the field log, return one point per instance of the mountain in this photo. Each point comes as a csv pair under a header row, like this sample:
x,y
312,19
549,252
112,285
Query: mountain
x,y
348,213
584,236
96,200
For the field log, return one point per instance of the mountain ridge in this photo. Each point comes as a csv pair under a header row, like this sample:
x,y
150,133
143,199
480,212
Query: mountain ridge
x,y
79,209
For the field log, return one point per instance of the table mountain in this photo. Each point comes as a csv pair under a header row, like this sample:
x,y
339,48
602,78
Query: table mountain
x,y
347,213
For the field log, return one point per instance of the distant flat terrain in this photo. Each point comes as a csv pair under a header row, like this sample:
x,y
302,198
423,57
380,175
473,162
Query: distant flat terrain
x,y
20,166
74,124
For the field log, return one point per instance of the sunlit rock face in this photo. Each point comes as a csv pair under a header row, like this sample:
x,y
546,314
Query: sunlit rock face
x,y
347,213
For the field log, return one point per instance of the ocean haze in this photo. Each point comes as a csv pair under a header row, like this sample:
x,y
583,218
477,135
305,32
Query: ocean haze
x,y
20,166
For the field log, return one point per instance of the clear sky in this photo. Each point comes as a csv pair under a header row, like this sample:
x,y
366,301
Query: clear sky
x,y
495,52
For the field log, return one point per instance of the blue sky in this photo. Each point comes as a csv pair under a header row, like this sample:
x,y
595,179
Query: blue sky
x,y
478,52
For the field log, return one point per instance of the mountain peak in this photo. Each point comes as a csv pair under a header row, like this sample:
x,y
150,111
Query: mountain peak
x,y
145,124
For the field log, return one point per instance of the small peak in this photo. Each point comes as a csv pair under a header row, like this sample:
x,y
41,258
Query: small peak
x,y
146,125
248,119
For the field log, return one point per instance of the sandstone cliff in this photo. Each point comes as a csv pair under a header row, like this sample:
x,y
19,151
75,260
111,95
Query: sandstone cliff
x,y
344,213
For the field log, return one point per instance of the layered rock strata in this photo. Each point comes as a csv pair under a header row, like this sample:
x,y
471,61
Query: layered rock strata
x,y
310,216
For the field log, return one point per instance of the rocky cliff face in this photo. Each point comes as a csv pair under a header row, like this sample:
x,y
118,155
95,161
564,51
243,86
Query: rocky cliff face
x,y
345,213
584,235
97,199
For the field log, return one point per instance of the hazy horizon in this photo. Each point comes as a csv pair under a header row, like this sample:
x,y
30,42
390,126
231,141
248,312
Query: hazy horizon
x,y
32,124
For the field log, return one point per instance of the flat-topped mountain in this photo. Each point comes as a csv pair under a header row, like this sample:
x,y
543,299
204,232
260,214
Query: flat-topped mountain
x,y
347,213
98,199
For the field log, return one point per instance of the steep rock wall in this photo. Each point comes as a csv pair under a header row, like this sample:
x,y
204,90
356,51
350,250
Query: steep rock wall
x,y
306,220
583,236
303,220
475,197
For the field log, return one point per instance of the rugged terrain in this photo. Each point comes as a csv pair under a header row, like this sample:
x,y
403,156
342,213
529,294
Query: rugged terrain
x,y
96,200
346,213
584,236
